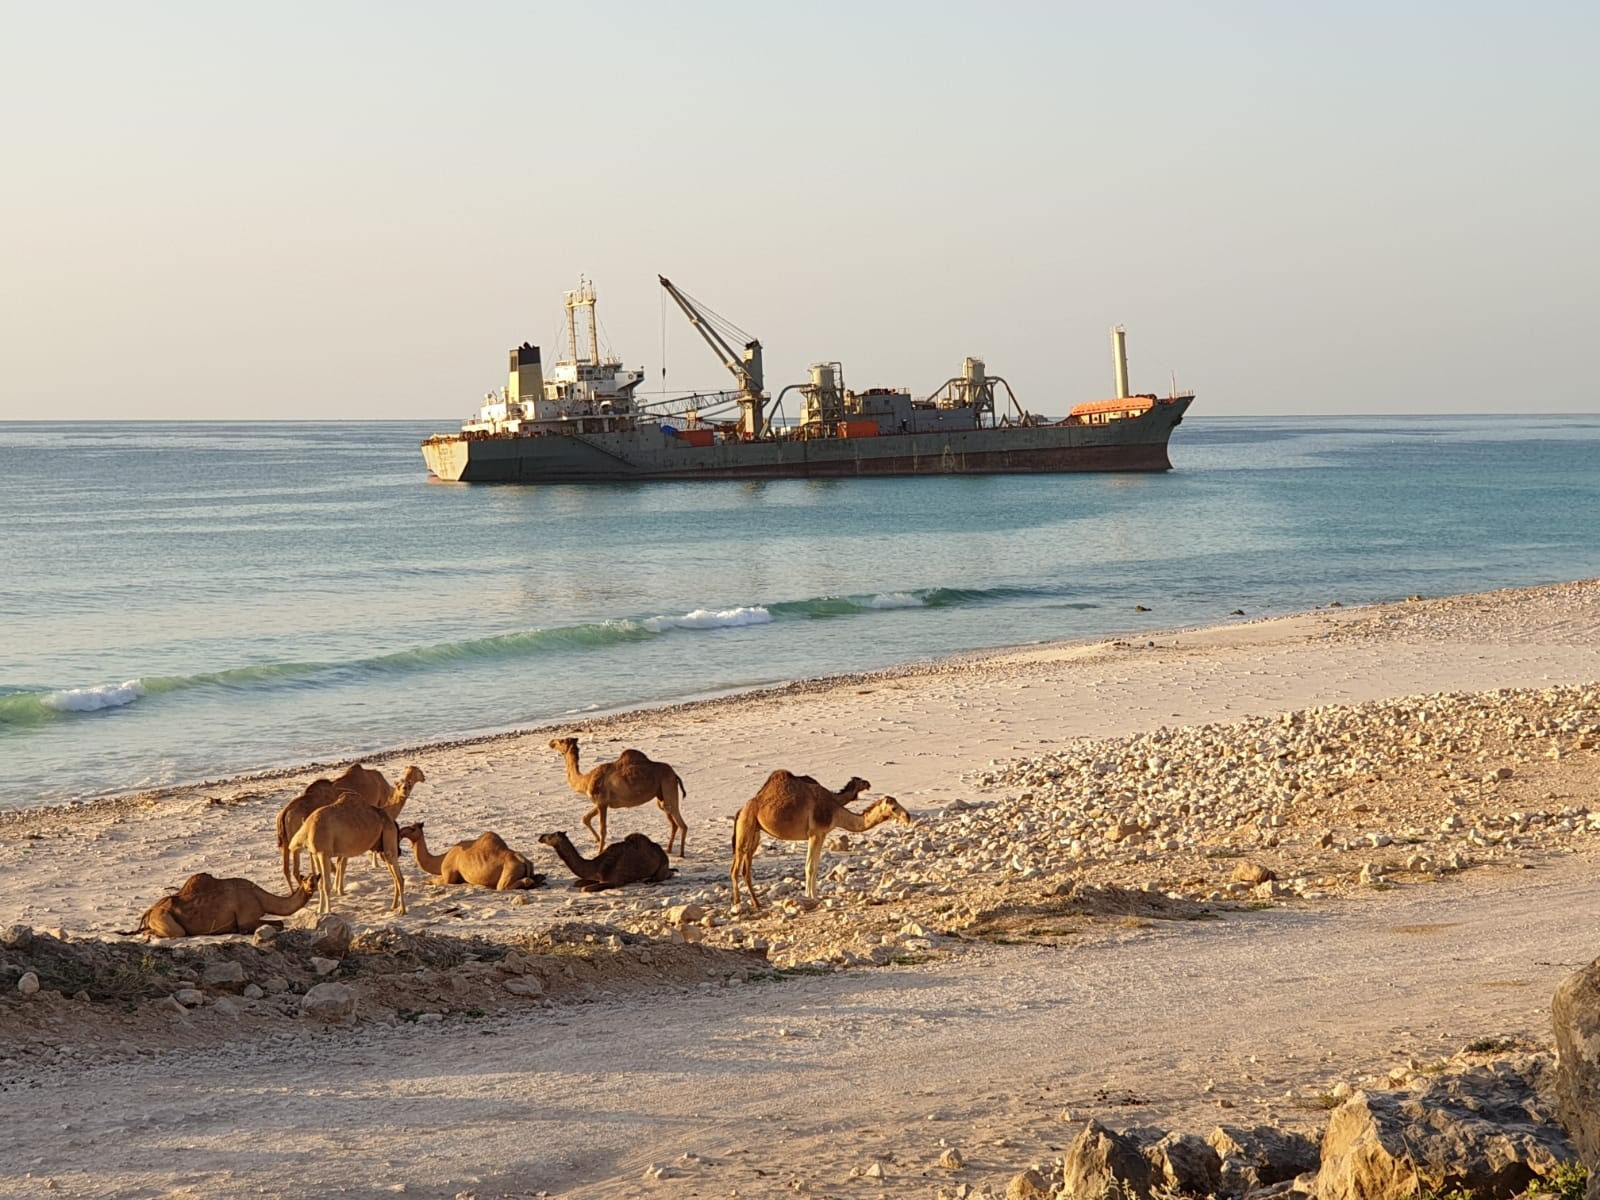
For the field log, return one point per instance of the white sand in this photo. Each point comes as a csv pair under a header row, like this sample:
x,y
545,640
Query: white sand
x,y
805,1079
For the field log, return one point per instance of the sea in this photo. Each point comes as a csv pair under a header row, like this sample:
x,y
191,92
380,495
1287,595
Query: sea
x,y
183,602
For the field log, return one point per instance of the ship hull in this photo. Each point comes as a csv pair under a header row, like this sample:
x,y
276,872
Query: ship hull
x,y
1137,444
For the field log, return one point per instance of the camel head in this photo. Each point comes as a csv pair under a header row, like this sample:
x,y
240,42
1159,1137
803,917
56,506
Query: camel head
x,y
564,746
411,832
412,777
308,883
553,839
891,807
854,788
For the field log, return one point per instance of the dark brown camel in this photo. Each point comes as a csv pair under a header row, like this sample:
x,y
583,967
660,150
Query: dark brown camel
x,y
635,859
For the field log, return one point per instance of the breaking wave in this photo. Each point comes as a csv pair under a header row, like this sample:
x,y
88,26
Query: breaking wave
x,y
33,706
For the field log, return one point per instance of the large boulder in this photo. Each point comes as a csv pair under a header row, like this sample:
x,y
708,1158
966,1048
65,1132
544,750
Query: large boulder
x,y
1102,1163
1257,1156
1186,1163
1485,1131
1575,1013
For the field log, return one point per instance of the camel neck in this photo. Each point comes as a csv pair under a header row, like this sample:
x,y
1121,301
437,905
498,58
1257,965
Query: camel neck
x,y
427,861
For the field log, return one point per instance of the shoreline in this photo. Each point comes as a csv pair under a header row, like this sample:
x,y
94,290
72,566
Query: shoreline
x,y
626,715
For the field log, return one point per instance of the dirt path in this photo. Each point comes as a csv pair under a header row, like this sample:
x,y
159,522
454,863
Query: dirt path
x,y
804,1079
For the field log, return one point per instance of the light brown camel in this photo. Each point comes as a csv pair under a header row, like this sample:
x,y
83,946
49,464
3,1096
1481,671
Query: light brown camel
x,y
797,808
628,782
206,904
339,831
635,859
485,862
358,780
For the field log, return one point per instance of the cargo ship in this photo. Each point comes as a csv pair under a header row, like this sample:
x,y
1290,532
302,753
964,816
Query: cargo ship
x,y
581,422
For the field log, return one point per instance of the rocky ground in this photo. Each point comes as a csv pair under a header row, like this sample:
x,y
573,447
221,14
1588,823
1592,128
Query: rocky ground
x,y
1091,842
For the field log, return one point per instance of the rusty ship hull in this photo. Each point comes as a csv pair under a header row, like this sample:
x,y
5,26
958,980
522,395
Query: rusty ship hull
x,y
651,453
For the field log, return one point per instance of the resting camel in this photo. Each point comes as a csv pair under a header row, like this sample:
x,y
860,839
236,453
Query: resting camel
x,y
797,808
358,780
486,862
206,904
635,859
628,782
343,829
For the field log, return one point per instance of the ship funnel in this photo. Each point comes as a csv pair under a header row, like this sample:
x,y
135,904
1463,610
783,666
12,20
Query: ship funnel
x,y
1119,360
526,383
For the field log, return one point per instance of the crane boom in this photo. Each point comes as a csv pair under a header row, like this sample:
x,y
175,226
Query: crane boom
x,y
746,368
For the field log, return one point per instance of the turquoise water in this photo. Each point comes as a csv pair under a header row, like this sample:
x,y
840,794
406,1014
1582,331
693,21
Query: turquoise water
x,y
186,601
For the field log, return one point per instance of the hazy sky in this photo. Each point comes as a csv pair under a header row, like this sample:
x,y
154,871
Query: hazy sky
x,y
352,210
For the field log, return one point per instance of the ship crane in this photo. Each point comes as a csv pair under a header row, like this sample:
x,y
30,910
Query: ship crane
x,y
746,368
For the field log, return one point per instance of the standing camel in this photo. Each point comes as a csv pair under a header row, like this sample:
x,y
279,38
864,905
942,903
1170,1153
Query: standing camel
x,y
628,782
796,808
343,829
358,780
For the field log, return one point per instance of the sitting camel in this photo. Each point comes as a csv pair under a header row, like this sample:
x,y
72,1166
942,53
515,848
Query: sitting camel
x,y
359,781
798,808
628,782
337,832
635,859
486,862
206,904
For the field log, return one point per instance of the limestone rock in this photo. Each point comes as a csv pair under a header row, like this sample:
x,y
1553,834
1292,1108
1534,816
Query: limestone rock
x,y
1028,1185
1100,1161
680,915
223,976
1185,1162
332,1002
324,966
333,936
1575,1014
524,985
1485,1131
189,997
951,1159
17,937
1253,873
28,984
1258,1156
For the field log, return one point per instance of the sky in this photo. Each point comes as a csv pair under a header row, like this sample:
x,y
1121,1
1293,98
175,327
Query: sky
x,y
346,210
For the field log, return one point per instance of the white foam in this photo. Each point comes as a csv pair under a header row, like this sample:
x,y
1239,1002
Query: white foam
x,y
705,618
895,600
108,695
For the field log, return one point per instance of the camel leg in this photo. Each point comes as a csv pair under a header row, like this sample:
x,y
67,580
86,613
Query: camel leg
x,y
589,825
399,904
323,866
339,882
290,857
162,924
677,827
813,857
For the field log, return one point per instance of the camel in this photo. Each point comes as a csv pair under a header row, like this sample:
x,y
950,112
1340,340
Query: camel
x,y
635,859
797,808
206,905
628,782
486,862
358,780
347,827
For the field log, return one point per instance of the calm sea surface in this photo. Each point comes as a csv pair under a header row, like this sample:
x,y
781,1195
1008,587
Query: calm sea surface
x,y
184,601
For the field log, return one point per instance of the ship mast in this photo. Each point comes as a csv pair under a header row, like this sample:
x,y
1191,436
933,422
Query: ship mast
x,y
746,368
583,297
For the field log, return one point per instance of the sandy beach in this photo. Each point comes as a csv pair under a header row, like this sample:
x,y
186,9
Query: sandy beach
x,y
1060,935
